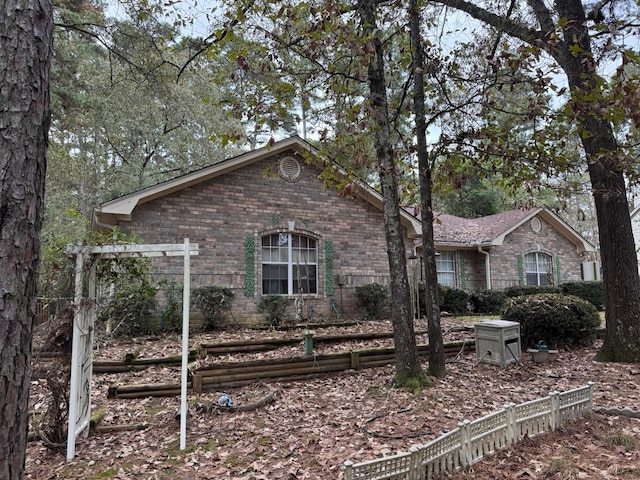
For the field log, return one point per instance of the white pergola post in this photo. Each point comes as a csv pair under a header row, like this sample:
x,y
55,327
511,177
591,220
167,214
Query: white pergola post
x,y
185,345
84,319
75,359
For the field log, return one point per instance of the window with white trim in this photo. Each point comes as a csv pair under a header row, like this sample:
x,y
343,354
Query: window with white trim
x,y
446,268
289,264
537,269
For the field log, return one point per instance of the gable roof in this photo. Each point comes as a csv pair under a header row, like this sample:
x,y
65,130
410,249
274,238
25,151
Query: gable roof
x,y
107,214
491,230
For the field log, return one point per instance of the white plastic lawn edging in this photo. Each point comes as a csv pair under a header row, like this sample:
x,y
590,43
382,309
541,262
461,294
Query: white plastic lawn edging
x,y
472,440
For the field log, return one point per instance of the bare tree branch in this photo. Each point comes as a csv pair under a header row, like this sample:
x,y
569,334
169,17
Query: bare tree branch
x,y
509,26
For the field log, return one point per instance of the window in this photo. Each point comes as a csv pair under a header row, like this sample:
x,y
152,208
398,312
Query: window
x,y
289,264
537,268
446,268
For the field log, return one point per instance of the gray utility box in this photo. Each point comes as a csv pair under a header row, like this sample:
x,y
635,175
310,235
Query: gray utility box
x,y
497,342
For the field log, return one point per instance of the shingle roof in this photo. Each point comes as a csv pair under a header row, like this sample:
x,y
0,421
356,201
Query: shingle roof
x,y
474,231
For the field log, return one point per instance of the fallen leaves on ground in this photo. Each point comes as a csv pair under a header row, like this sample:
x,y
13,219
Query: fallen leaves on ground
x,y
313,426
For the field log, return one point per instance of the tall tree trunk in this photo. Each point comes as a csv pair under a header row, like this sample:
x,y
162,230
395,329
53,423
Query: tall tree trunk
x,y
25,53
617,247
617,250
408,369
436,343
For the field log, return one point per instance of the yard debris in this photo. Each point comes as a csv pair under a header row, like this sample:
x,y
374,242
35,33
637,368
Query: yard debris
x,y
308,428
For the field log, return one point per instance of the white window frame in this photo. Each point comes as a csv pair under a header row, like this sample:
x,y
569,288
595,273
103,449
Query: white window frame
x,y
538,266
446,265
292,254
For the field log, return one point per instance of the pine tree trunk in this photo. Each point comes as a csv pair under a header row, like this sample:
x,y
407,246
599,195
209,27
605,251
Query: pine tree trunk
x,y
408,368
25,54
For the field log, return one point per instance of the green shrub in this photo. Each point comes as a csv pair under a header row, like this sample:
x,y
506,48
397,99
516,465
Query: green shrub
x,y
487,301
373,298
453,300
530,290
592,292
274,307
559,320
171,317
129,310
213,302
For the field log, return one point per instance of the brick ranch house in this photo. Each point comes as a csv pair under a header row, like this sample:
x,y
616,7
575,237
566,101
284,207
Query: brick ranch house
x,y
266,223
520,247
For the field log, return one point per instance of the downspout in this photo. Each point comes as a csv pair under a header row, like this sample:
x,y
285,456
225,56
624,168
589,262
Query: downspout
x,y
487,266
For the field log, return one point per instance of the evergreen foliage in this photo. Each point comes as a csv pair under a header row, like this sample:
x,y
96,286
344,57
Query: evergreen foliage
x,y
130,310
489,302
530,290
171,317
274,307
373,297
453,300
592,292
559,320
213,302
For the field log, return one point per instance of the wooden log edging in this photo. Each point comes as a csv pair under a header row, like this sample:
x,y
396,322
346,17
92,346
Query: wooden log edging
x,y
237,374
134,364
245,346
143,390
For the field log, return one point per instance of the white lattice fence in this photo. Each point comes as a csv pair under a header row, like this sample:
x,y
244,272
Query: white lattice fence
x,y
472,440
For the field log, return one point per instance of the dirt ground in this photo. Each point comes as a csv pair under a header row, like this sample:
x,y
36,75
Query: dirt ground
x,y
312,427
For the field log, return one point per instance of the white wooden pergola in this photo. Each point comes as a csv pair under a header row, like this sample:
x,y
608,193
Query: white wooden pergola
x,y
84,321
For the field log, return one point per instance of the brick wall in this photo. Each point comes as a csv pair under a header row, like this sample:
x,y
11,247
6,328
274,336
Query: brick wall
x,y
523,240
220,213
504,258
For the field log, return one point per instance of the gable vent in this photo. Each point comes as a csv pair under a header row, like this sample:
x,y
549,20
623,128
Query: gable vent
x,y
290,168
536,224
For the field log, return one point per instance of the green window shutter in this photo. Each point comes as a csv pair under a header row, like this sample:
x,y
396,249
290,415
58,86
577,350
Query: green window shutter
x,y
328,254
463,274
250,273
520,270
558,271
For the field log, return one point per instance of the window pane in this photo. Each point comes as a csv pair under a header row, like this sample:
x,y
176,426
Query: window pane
x,y
274,279
537,268
544,262
269,254
531,263
532,279
276,263
446,270
447,279
304,279
304,257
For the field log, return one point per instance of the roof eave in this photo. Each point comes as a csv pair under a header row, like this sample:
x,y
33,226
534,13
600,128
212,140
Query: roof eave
x,y
122,207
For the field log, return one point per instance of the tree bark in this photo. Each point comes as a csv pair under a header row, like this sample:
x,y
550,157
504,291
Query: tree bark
x,y
436,343
408,368
617,249
25,54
